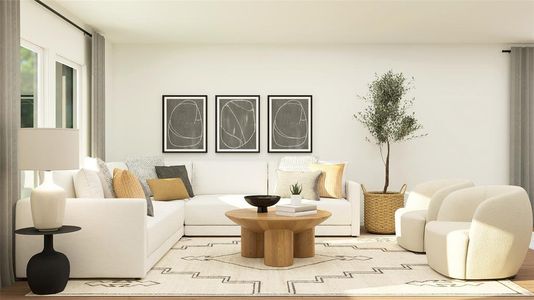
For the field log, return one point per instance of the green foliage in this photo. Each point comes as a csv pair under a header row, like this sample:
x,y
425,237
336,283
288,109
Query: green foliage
x,y
295,189
386,115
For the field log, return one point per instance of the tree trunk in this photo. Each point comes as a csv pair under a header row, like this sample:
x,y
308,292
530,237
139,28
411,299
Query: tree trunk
x,y
386,183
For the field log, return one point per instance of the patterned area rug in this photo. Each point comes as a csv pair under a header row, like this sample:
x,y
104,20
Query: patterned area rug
x,y
374,266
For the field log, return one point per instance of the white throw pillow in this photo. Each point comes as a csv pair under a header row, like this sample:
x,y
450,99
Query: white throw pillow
x,y
308,181
106,178
296,163
87,184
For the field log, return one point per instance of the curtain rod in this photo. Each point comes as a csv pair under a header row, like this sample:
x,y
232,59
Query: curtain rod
x,y
63,17
506,51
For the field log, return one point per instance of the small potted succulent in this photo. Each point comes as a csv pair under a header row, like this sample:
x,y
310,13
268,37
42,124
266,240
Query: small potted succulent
x,y
296,189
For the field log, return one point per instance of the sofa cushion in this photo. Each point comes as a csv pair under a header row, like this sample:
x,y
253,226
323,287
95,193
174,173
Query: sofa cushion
x,y
116,165
229,177
168,189
106,178
188,166
331,180
308,181
178,171
64,179
297,163
168,219
87,184
209,209
145,168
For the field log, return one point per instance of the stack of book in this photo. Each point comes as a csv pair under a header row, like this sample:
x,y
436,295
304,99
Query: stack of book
x,y
290,210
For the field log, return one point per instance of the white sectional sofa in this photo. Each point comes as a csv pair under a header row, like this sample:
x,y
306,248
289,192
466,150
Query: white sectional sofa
x,y
118,239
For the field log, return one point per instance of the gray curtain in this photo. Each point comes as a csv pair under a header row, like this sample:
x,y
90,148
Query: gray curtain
x,y
522,119
9,125
98,103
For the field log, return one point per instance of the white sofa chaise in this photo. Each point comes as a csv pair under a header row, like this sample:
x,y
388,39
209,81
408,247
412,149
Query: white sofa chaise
x,y
118,239
421,207
481,232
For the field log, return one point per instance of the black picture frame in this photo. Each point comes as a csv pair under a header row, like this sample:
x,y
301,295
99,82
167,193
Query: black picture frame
x,y
271,134
165,143
256,129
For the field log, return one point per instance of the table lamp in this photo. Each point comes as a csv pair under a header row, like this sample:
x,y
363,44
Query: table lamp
x,y
46,149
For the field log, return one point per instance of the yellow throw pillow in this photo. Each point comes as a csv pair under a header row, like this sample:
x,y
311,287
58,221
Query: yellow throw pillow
x,y
331,179
168,189
126,185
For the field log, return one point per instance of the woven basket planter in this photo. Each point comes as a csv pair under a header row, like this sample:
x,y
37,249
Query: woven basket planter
x,y
379,210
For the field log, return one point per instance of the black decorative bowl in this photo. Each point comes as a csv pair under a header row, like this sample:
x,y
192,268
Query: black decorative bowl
x,y
262,201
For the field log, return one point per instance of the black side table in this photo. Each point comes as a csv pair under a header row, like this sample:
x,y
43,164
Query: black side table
x,y
48,272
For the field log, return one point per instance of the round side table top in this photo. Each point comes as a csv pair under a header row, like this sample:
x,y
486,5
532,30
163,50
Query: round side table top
x,y
34,231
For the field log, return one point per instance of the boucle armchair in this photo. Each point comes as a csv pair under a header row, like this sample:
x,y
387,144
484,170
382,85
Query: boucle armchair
x,y
421,207
481,232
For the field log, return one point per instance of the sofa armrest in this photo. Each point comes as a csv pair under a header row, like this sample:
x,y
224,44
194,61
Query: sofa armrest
x,y
354,194
112,241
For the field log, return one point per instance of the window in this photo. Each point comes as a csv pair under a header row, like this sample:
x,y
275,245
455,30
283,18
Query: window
x,y
29,71
29,91
66,87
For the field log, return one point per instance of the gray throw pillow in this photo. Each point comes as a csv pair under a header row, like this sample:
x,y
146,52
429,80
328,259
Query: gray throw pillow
x,y
149,206
105,178
176,172
308,180
145,168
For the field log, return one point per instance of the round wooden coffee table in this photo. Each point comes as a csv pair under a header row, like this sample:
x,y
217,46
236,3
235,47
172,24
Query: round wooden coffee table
x,y
277,239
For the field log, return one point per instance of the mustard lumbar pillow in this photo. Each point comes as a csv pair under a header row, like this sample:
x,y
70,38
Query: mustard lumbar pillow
x,y
127,185
331,179
168,189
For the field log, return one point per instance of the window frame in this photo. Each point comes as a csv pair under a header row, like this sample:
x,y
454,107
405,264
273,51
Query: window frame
x,y
76,109
39,109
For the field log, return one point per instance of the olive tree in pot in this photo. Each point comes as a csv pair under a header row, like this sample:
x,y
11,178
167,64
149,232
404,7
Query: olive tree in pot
x,y
388,120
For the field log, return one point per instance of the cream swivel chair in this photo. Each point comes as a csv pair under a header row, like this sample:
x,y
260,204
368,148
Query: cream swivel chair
x,y
481,232
422,206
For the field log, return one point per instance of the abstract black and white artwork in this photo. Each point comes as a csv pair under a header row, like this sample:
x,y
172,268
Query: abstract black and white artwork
x,y
184,123
290,123
237,123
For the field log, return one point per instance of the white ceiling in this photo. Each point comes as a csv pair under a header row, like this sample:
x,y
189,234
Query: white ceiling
x,y
301,21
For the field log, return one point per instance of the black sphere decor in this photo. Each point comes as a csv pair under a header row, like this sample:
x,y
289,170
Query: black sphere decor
x,y
48,271
262,201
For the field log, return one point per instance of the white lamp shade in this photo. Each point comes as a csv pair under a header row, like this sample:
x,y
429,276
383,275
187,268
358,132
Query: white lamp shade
x,y
48,149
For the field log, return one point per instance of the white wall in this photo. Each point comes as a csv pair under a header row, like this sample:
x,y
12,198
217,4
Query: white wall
x,y
461,99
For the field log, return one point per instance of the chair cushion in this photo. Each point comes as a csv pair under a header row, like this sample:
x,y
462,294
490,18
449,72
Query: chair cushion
x,y
209,209
446,247
168,218
411,234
